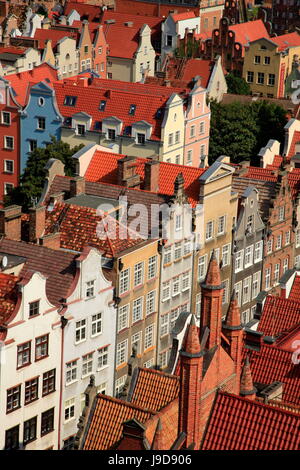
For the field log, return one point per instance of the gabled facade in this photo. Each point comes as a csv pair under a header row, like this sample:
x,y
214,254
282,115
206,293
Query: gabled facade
x,y
40,120
175,26
15,60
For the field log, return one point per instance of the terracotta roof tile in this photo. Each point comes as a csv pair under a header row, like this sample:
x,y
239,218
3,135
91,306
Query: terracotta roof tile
x,y
295,290
154,389
272,364
107,419
249,31
292,149
183,16
200,67
8,295
58,266
92,12
266,190
286,40
240,424
279,315
55,35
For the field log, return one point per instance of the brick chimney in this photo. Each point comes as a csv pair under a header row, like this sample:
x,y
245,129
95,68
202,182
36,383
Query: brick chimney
x,y
77,186
191,364
127,175
211,304
151,181
247,388
10,222
51,241
37,218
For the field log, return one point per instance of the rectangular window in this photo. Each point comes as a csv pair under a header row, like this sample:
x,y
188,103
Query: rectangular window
x,y
31,390
124,281
9,166
23,354
152,267
250,224
178,222
271,79
70,100
149,336
202,128
69,409
202,266
41,347
267,278
269,246
173,317
136,342
250,77
238,291
166,291
111,134
256,284
32,145
8,187
245,317
246,290
170,139
278,242
89,289
13,401
29,430
102,357
221,225
185,281
276,272
123,317
163,359
138,274
87,364
258,251
122,352
192,134
48,382
225,292
141,138
80,129
71,372
257,59
137,313
164,324
260,78
96,324
178,251
34,308
209,230
267,60
285,266
281,213
226,255
202,150
169,40
149,364
187,247
47,422
176,286
168,254
150,302
239,261
248,256
298,238
41,123
80,331
287,237
177,137
120,384
8,142
12,438
5,118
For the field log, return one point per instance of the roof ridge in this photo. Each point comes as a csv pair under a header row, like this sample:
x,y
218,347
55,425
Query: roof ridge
x,y
124,403
159,372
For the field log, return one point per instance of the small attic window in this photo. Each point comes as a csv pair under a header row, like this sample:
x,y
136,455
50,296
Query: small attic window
x,y
102,105
132,109
97,125
159,113
127,130
70,100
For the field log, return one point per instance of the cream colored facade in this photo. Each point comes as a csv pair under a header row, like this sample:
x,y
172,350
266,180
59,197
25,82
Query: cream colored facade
x,y
28,61
266,69
65,59
214,222
172,133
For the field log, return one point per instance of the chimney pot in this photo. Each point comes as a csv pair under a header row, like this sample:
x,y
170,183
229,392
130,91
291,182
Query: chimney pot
x,y
77,186
10,222
151,182
37,219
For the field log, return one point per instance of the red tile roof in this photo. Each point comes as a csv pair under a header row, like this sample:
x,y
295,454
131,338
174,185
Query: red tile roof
x,y
200,67
92,12
292,149
13,50
8,296
264,174
20,81
279,315
295,290
58,267
294,181
286,40
237,423
55,35
81,226
107,420
103,168
154,389
119,96
183,16
249,31
272,364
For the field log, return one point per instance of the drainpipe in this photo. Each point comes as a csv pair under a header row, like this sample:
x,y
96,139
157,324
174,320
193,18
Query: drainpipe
x,y
160,246
63,322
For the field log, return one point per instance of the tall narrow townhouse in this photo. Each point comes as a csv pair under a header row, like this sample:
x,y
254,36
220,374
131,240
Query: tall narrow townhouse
x,y
214,223
33,281
60,50
85,48
248,252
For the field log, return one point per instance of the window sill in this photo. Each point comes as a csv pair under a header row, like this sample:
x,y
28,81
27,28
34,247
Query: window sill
x,y
11,411
24,365
48,432
185,290
166,300
48,393
178,260
187,255
31,401
96,335
33,316
166,265
79,342
87,375
102,368
89,298
41,358
71,383
138,287
175,295
29,442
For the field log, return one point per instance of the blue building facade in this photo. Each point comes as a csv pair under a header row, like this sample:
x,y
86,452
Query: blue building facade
x,y
40,120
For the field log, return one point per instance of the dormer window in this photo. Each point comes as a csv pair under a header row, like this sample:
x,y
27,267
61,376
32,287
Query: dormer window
x,y
80,129
70,100
111,134
102,105
141,138
132,109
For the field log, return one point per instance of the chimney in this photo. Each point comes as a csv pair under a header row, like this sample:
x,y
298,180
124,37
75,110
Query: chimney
x,y
77,186
37,218
247,388
151,181
127,175
10,222
84,81
51,241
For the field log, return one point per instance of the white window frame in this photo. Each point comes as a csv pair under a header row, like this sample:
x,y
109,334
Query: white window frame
x,y
81,326
209,231
124,282
102,359
202,267
248,256
152,267
221,225
122,352
87,364
164,325
97,322
151,302
123,317
71,372
6,146
138,277
149,337
137,309
239,261
226,255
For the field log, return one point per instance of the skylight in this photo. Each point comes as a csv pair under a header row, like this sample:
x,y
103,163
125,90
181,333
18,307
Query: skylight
x,y
132,109
70,100
102,105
